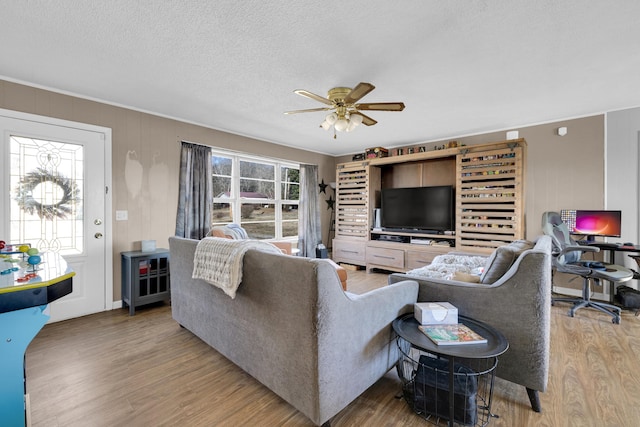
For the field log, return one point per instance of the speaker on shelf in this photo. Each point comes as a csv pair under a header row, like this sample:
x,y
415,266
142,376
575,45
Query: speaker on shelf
x,y
377,220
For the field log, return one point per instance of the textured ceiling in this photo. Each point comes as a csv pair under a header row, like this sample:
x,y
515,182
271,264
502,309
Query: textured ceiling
x,y
461,67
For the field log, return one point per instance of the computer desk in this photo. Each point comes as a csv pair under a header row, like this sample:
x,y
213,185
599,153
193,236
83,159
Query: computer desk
x,y
610,249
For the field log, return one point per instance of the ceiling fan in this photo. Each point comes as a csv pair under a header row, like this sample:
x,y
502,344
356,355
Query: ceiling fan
x,y
346,114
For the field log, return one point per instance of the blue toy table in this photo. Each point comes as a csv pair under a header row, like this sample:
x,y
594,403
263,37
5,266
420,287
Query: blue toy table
x,y
24,310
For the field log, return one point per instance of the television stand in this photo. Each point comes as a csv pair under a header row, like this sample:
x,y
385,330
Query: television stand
x,y
393,250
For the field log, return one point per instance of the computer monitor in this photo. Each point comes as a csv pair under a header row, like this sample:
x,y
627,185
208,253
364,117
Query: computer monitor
x,y
597,223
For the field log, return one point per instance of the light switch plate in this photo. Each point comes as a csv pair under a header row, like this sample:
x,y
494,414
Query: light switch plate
x,y
122,215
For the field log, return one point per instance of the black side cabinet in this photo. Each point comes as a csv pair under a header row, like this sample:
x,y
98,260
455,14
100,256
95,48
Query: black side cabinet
x,y
145,278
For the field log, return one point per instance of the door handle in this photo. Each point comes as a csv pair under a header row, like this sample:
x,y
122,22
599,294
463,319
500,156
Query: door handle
x,y
98,235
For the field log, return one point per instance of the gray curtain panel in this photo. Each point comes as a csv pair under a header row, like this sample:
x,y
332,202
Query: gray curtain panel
x,y
309,229
195,197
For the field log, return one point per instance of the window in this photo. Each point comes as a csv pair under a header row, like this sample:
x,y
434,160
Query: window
x,y
259,194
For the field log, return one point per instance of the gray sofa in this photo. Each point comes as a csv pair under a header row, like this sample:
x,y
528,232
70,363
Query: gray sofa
x,y
517,302
292,327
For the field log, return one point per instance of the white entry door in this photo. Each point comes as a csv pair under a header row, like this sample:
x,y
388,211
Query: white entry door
x,y
54,197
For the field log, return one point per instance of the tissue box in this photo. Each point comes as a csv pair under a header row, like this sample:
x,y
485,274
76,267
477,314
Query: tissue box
x,y
434,313
148,245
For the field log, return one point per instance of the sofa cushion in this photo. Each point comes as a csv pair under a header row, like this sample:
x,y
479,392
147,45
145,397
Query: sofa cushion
x,y
497,264
229,231
501,260
520,246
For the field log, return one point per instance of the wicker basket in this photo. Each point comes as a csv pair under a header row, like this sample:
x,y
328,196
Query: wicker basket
x,y
425,386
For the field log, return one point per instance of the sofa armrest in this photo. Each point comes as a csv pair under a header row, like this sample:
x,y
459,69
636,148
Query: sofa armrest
x,y
365,315
355,340
388,300
399,277
367,318
462,293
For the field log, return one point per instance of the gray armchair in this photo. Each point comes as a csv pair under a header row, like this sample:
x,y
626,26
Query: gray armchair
x,y
517,303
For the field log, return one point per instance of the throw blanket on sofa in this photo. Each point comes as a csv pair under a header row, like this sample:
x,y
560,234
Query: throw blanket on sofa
x,y
219,261
447,265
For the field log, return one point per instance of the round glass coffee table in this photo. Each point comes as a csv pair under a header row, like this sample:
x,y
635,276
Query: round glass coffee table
x,y
448,382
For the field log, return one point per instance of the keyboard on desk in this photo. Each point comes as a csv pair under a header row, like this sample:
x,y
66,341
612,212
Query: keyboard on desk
x,y
603,245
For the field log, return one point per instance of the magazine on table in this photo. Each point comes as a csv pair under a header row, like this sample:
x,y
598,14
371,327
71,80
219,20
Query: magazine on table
x,y
452,334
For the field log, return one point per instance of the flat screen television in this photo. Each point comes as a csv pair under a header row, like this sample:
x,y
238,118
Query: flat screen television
x,y
418,209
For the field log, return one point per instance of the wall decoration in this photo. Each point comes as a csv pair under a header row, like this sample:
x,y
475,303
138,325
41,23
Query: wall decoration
x,y
330,203
323,186
61,195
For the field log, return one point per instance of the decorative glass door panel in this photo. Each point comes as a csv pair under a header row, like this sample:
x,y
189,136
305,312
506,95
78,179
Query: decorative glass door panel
x,y
46,188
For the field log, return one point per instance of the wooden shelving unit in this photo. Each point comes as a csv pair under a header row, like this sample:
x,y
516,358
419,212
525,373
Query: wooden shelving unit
x,y
489,198
353,210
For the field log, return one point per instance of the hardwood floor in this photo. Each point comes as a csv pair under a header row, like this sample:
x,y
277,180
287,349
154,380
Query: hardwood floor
x,y
110,369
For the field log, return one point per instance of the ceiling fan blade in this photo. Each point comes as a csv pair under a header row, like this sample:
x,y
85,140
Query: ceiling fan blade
x,y
358,92
313,96
380,106
310,110
365,119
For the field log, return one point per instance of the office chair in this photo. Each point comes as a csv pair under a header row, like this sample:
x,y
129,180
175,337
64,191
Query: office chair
x,y
567,259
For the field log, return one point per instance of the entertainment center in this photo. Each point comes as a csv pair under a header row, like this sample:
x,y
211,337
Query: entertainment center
x,y
468,198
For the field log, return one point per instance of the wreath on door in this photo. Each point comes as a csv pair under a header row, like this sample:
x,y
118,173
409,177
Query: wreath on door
x,y
59,207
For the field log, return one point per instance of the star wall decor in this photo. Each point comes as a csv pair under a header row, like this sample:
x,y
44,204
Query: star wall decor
x,y
330,203
323,186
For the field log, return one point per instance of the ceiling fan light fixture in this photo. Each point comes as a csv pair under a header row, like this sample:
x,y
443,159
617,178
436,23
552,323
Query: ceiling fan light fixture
x,y
325,125
341,124
356,119
331,118
352,125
